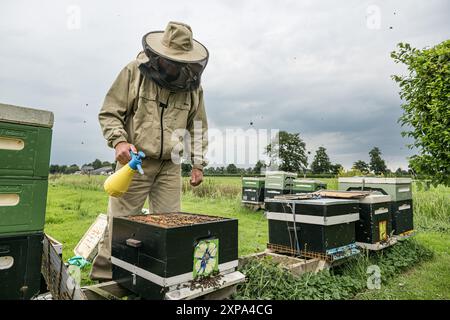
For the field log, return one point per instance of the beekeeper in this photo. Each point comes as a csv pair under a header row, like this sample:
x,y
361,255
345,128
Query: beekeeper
x,y
156,106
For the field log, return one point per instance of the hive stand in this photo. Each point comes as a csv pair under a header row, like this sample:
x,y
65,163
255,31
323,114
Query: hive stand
x,y
379,245
295,265
254,206
113,291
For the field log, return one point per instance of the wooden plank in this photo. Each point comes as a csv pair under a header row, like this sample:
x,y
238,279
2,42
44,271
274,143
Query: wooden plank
x,y
221,294
377,246
185,293
343,194
88,245
62,286
112,291
295,265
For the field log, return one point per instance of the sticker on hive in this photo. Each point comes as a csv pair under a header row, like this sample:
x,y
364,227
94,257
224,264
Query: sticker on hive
x,y
382,227
206,258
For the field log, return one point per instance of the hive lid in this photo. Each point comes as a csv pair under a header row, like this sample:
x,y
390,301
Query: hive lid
x,y
28,116
253,178
375,180
273,173
308,181
376,198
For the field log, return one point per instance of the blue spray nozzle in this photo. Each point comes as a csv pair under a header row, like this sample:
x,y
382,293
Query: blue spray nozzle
x,y
136,161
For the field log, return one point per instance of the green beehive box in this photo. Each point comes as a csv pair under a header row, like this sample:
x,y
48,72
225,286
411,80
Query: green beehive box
x,y
25,142
22,205
398,188
304,185
253,182
20,266
279,180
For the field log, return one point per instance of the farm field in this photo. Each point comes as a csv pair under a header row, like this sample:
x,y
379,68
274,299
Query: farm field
x,y
75,201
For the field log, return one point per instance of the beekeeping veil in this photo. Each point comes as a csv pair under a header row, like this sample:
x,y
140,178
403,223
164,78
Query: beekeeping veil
x,y
173,59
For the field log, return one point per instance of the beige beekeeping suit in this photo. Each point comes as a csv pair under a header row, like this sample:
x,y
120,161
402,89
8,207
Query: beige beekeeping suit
x,y
139,111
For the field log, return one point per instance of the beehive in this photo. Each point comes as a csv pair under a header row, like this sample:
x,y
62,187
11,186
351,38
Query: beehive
x,y
278,183
305,185
375,224
253,190
400,191
402,217
20,265
398,188
152,254
23,203
324,226
25,141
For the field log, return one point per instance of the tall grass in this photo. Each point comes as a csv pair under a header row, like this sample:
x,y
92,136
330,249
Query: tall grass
x,y
431,208
83,182
210,188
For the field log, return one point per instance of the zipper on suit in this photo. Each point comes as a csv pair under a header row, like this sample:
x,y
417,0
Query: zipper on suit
x,y
163,107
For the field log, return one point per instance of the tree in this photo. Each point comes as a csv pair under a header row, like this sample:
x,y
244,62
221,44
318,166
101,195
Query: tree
x,y
361,166
232,169
425,91
377,164
336,168
288,150
321,162
258,166
97,164
72,169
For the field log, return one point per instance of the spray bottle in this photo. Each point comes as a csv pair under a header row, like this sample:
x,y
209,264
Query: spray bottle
x,y
119,182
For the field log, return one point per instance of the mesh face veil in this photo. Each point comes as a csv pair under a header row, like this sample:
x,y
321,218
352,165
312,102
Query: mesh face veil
x,y
174,75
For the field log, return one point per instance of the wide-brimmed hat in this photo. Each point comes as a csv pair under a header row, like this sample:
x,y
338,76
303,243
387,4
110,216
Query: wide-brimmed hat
x,y
176,43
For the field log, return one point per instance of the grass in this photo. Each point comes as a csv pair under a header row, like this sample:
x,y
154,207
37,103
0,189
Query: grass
x,y
266,280
75,201
429,280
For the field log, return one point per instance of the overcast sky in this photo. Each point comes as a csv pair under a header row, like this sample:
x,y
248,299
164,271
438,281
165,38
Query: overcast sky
x,y
321,68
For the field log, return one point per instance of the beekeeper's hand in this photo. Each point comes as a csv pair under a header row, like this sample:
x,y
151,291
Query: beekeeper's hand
x,y
196,177
123,152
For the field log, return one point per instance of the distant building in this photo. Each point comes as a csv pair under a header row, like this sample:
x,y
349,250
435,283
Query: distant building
x,y
87,169
103,171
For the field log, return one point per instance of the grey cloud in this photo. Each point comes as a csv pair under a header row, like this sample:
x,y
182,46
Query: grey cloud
x,y
310,67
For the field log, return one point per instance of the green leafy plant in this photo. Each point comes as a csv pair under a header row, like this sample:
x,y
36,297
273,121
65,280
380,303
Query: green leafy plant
x,y
425,91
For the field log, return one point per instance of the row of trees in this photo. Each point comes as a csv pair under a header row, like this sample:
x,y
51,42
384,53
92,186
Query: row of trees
x,y
64,169
290,153
230,169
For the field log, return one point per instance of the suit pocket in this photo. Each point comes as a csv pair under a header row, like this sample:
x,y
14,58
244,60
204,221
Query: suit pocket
x,y
180,113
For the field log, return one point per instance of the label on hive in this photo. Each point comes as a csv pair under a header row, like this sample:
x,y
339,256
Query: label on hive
x,y
206,258
382,226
